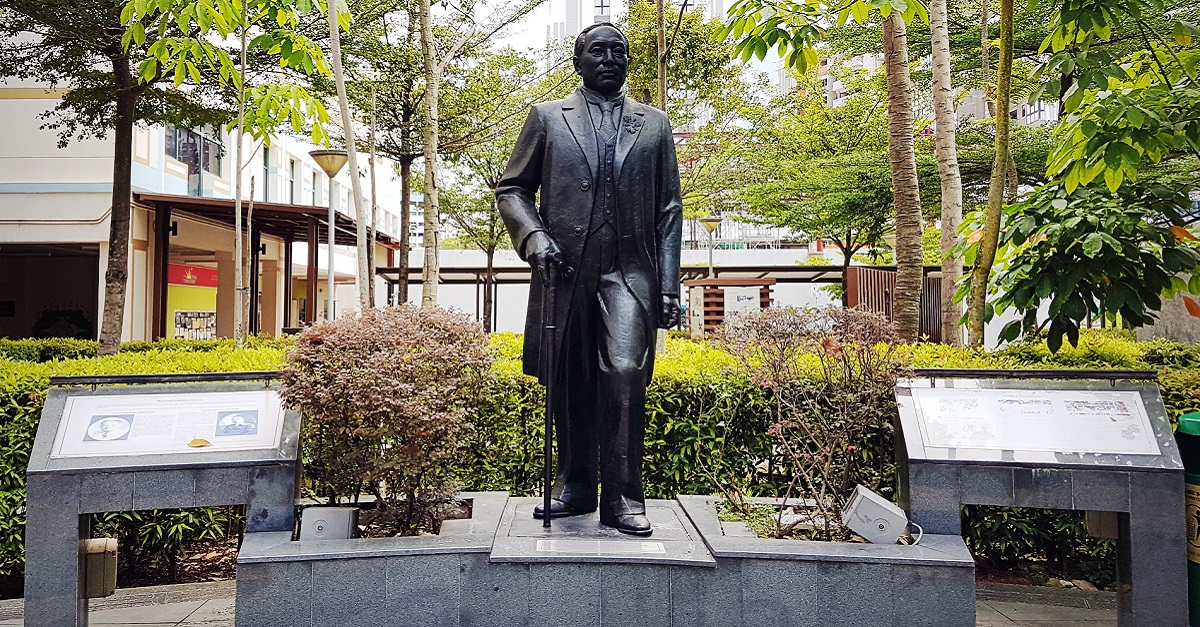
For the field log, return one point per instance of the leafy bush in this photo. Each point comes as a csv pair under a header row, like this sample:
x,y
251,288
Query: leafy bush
x,y
832,374
46,349
157,535
23,388
1007,537
387,397
706,420
56,349
207,346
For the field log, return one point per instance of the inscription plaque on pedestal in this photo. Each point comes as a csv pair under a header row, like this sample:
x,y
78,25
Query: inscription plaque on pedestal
x,y
160,424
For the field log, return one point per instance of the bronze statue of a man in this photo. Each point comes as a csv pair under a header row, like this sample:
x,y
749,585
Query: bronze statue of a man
x,y
610,220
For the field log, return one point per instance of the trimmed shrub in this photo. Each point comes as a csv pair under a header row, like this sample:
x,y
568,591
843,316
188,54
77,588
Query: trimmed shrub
x,y
706,421
46,349
832,374
23,388
387,397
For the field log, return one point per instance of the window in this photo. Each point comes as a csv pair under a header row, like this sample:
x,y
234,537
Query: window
x,y
200,151
292,181
313,187
602,7
266,186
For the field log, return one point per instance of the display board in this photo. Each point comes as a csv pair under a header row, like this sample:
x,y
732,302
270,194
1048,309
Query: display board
x,y
149,424
741,300
1032,421
163,425
1074,421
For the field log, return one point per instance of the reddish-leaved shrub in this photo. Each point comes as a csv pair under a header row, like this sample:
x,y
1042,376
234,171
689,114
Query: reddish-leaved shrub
x,y
387,398
832,372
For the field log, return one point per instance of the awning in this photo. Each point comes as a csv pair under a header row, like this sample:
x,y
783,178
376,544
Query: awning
x,y
284,221
520,274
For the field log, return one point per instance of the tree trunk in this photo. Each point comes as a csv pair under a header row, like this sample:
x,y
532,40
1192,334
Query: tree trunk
x,y
372,211
405,226
430,266
360,215
985,18
488,281
846,275
1010,176
948,172
906,301
662,54
239,246
985,64
116,273
977,304
248,265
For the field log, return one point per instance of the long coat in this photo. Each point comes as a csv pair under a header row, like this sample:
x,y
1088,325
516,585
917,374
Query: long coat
x,y
558,154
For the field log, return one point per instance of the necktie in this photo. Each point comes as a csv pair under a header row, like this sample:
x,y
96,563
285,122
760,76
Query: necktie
x,y
608,127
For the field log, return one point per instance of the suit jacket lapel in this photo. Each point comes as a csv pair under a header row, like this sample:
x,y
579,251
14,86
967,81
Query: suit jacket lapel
x,y
629,127
574,109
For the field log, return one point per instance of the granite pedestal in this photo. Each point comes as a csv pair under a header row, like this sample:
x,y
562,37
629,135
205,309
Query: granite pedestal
x,y
63,493
502,568
1146,490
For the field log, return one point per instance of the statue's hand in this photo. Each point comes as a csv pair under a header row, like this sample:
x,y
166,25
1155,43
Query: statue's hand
x,y
541,252
669,314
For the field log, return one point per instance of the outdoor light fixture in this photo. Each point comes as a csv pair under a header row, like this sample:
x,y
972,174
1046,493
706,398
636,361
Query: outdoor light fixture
x,y
710,223
874,517
332,162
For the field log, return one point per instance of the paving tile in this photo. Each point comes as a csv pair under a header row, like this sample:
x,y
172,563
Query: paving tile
x,y
1020,613
214,612
167,613
1084,622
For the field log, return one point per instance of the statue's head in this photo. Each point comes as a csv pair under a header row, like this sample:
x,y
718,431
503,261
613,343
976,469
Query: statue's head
x,y
602,57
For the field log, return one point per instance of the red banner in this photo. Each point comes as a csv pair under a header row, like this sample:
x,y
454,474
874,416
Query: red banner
x,y
178,274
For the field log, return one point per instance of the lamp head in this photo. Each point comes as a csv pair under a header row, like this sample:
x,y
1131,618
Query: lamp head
x,y
710,222
331,161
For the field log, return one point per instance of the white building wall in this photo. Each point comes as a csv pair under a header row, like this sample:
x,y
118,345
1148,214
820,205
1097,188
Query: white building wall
x,y
52,195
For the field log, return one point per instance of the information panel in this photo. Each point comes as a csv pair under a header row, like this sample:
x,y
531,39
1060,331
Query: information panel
x,y
149,424
1061,421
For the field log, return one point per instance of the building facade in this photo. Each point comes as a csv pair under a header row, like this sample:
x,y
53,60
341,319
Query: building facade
x,y
54,228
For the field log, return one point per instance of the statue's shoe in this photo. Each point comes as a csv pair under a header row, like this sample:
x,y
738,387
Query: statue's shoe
x,y
561,509
632,524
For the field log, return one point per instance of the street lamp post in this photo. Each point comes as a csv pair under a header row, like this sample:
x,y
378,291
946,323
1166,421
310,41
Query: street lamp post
x,y
331,161
710,224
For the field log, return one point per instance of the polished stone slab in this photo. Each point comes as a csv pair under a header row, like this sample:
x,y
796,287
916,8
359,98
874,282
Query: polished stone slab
x,y
1147,491
64,492
473,535
521,538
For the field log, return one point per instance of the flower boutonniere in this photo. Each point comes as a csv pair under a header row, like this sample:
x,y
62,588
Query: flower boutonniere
x,y
633,124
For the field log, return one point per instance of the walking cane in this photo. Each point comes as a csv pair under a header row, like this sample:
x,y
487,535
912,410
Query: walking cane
x,y
549,360
548,363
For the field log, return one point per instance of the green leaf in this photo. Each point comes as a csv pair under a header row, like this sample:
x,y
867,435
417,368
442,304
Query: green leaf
x,y
860,11
1011,331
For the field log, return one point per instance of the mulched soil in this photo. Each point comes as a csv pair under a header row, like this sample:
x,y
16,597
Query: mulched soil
x,y
373,523
208,561
1001,576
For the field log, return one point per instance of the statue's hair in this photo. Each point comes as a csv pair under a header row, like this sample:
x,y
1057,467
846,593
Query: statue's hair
x,y
583,33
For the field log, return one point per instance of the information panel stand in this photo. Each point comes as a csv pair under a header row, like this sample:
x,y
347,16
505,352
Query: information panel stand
x,y
1055,440
137,447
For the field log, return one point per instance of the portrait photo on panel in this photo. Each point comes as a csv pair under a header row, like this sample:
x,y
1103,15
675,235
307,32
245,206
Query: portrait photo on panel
x,y
237,422
105,427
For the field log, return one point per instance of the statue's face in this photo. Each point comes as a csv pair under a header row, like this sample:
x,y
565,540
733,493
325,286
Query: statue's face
x,y
604,60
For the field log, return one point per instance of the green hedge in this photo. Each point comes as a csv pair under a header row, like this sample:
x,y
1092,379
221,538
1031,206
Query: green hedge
x,y
23,386
706,422
50,349
57,349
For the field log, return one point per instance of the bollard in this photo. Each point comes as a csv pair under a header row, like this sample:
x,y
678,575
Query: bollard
x,y
1188,436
